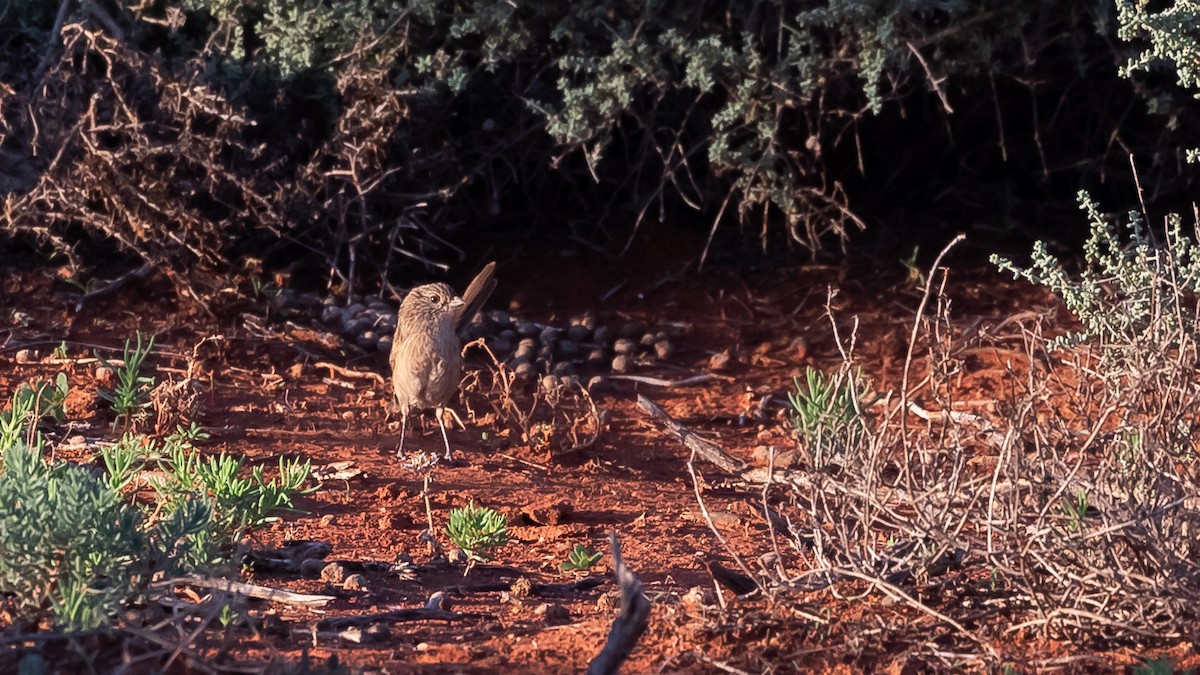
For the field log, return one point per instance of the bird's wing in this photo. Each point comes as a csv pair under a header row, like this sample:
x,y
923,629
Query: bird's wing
x,y
411,365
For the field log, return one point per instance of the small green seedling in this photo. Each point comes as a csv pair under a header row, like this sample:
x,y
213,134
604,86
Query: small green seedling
x,y
825,410
477,530
580,559
1075,510
131,394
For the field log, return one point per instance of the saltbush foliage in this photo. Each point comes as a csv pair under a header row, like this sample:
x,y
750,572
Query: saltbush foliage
x,y
75,549
364,133
1135,295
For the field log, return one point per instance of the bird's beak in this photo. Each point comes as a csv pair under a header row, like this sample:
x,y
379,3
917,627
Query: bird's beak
x,y
456,302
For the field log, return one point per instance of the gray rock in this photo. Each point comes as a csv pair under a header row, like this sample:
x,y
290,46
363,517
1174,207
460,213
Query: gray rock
x,y
663,349
622,363
624,346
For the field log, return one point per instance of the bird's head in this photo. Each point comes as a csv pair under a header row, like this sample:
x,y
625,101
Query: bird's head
x,y
430,302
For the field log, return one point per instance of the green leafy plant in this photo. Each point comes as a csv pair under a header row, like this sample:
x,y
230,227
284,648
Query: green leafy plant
x,y
240,501
580,559
74,552
477,530
31,402
1162,666
1127,296
826,411
131,394
1075,509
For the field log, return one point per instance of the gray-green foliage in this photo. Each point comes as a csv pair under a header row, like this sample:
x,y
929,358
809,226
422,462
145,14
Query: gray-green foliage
x,y
1171,34
1132,296
477,530
131,395
73,550
826,412
745,93
298,36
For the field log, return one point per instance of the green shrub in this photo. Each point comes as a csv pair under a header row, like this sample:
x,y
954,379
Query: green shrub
x,y
73,552
477,530
826,412
1133,297
132,393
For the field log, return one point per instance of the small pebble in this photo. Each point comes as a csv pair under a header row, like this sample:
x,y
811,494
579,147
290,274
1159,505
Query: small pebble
x,y
568,348
720,360
355,582
331,313
622,363
500,346
562,368
549,383
549,335
596,357
525,327
105,376
384,344
624,346
577,333
525,371
334,573
367,339
663,349
602,335
648,340
588,321
630,330
312,567
508,334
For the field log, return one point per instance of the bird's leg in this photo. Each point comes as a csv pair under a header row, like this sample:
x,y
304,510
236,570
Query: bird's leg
x,y
442,426
403,428
457,418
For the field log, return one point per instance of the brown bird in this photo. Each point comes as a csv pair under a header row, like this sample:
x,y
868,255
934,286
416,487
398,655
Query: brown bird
x,y
426,354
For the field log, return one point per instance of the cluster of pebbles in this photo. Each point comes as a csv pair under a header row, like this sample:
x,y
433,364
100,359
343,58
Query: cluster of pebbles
x,y
552,354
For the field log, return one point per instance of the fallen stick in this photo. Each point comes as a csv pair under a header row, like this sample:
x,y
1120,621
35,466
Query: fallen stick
x,y
258,592
668,384
629,625
701,446
395,616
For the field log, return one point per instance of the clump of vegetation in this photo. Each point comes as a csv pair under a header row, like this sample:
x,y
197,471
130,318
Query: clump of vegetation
x,y
580,559
77,550
827,413
1135,296
131,396
31,402
477,530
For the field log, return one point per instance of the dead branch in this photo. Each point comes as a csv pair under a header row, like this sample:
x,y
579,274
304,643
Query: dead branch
x,y
629,625
258,592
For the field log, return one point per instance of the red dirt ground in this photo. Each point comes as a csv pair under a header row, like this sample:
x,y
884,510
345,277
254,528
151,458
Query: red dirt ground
x,y
266,400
